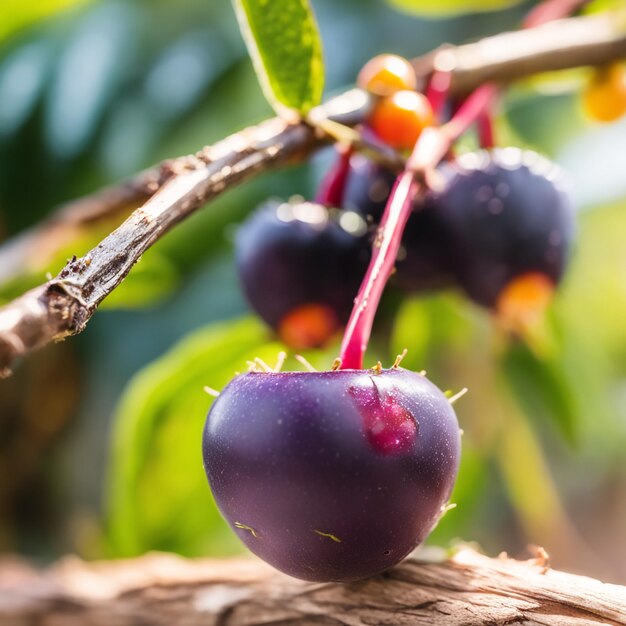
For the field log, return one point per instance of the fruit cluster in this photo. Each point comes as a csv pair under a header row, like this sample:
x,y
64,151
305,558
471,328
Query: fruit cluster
x,y
500,228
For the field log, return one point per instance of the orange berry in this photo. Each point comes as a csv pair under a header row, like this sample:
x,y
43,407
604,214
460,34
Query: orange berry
x,y
386,74
604,99
308,326
399,119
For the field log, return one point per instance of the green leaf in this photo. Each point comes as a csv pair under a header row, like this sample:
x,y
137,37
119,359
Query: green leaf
x,y
526,475
443,8
283,40
411,332
17,14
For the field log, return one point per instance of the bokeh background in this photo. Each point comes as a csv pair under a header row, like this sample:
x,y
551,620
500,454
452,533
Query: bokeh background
x,y
100,435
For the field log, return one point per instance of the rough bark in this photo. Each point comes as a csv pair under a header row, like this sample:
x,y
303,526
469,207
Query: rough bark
x,y
163,590
64,304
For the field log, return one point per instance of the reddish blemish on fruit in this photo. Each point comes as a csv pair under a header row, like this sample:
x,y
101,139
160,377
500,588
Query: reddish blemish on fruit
x,y
524,299
308,326
390,427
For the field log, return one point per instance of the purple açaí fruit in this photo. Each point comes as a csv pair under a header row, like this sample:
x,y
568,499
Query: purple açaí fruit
x,y
508,214
331,476
300,265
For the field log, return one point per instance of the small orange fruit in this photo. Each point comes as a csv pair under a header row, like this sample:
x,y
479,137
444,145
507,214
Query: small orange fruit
x,y
604,99
386,74
399,119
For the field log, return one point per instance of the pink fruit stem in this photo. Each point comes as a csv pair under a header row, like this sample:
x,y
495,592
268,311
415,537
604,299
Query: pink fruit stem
x,y
437,92
332,187
385,251
411,185
484,128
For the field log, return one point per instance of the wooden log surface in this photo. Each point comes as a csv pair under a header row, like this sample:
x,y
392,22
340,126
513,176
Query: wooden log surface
x,y
163,590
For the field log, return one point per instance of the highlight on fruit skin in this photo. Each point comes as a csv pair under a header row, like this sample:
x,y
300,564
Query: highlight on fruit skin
x,y
334,475
300,265
385,74
604,98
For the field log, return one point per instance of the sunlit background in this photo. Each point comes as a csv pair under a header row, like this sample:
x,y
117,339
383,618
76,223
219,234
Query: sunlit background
x,y
100,435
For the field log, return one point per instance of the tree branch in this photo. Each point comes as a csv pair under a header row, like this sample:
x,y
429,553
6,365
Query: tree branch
x,y
64,305
159,589
506,57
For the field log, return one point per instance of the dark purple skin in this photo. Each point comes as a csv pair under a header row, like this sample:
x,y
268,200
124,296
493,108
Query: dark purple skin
x,y
284,262
331,476
425,262
500,214
507,213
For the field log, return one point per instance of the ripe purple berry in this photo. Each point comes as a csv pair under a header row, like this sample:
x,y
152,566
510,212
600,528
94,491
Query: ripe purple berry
x,y
331,475
508,218
300,266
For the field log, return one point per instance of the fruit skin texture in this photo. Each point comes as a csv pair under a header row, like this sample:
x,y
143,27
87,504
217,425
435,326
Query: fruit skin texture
x,y
331,476
425,262
296,257
507,213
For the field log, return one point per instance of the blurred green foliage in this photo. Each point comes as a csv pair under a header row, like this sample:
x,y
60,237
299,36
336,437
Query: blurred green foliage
x,y
15,14
159,423
111,87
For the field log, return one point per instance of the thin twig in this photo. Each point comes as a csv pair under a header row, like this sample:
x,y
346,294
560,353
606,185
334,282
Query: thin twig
x,y
64,304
